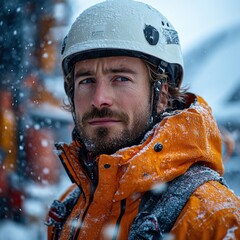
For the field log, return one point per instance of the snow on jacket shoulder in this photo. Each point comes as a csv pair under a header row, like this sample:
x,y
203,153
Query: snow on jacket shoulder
x,y
180,140
212,212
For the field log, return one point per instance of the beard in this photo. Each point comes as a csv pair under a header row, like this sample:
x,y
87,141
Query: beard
x,y
102,140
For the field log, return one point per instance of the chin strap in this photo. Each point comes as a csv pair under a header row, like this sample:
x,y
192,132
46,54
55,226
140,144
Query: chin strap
x,y
156,89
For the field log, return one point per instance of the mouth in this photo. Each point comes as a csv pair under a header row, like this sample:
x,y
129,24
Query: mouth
x,y
103,122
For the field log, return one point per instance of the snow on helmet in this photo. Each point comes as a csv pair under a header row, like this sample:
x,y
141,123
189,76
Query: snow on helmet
x,y
124,28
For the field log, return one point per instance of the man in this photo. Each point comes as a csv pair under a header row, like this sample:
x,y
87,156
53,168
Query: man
x,y
145,160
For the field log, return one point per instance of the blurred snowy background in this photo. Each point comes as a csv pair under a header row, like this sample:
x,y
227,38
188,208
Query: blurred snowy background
x,y
31,90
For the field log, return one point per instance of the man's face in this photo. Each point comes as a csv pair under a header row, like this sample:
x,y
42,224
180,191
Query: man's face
x,y
112,102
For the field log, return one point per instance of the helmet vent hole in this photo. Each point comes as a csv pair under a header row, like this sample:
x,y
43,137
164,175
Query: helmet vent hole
x,y
163,23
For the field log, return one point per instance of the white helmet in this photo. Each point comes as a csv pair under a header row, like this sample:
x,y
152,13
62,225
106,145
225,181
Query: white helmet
x,y
124,28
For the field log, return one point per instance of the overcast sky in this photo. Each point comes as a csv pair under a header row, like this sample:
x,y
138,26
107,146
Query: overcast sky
x,y
193,19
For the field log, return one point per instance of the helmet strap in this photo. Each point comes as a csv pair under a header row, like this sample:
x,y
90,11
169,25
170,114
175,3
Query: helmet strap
x,y
156,88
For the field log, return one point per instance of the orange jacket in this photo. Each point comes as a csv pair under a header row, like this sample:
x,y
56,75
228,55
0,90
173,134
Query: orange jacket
x,y
187,136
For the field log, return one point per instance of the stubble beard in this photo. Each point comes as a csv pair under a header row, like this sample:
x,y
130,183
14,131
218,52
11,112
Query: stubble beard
x,y
101,142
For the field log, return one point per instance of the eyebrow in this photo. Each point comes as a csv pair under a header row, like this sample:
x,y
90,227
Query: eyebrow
x,y
83,73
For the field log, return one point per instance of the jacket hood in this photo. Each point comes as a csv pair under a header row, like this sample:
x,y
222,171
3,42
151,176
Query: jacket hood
x,y
181,139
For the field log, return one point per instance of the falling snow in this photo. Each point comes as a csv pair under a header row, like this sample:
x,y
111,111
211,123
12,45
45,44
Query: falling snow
x,y
28,72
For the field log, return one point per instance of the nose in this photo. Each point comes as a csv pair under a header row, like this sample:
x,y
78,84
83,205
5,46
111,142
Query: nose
x,y
102,95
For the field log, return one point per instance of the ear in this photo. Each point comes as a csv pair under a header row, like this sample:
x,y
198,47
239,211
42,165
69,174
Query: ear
x,y
163,97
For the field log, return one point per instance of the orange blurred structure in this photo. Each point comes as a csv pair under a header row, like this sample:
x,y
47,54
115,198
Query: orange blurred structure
x,y
29,110
8,129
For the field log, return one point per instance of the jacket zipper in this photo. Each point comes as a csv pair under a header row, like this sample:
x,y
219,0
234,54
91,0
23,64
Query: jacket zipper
x,y
57,232
93,188
123,208
63,162
84,214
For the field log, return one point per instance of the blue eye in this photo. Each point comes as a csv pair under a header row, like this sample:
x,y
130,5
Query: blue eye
x,y
122,79
87,81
